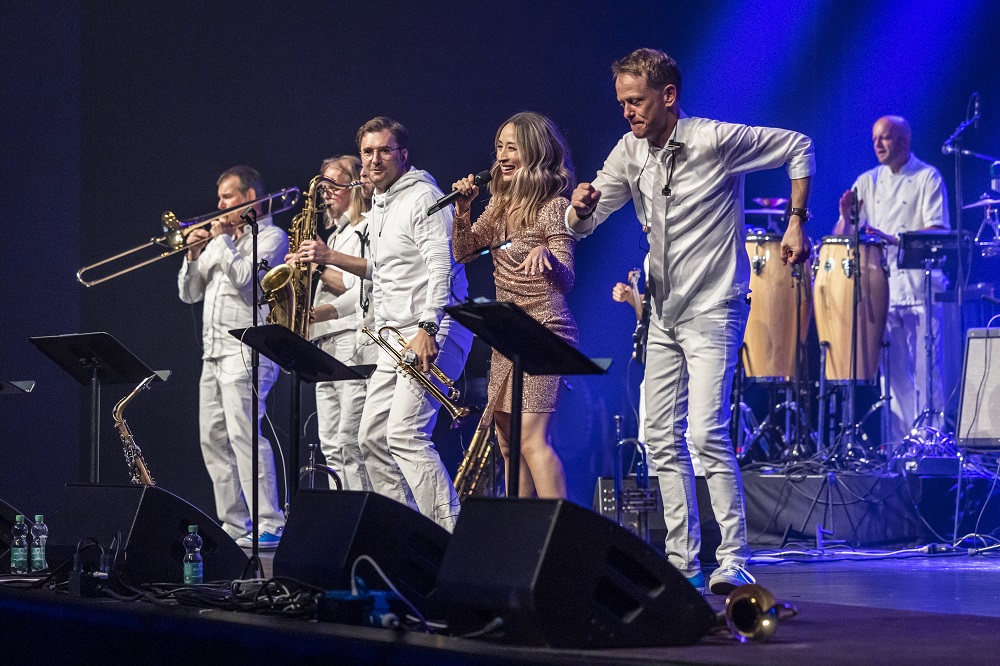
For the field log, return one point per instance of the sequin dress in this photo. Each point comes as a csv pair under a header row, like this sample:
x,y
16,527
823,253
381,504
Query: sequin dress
x,y
542,296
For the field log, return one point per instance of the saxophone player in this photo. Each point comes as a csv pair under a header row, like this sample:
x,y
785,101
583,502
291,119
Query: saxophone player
x,y
339,312
414,277
218,270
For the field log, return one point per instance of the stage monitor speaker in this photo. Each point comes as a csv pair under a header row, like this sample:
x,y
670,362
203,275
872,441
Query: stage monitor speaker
x,y
549,572
152,523
979,405
327,531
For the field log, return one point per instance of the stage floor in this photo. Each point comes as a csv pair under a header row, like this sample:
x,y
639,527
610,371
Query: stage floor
x,y
879,609
937,609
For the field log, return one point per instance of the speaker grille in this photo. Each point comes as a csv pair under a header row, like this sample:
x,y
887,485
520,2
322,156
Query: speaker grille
x,y
979,407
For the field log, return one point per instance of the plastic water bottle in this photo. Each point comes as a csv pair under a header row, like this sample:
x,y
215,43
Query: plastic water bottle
x,y
39,535
19,546
192,557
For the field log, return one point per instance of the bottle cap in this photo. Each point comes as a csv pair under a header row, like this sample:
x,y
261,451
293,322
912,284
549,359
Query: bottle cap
x,y
39,518
19,518
192,529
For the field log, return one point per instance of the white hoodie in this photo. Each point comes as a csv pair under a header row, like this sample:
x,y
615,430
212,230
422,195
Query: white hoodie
x,y
411,265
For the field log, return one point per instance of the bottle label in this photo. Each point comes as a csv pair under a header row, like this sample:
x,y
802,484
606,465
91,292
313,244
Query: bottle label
x,y
192,573
38,562
19,559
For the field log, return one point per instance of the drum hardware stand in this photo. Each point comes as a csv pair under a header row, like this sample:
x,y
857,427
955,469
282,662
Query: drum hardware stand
x,y
641,500
828,487
798,388
849,427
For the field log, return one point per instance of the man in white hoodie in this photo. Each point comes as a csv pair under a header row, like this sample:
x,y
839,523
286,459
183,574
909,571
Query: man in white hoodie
x,y
414,277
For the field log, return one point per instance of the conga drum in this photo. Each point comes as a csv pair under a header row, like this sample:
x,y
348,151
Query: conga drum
x,y
833,292
770,337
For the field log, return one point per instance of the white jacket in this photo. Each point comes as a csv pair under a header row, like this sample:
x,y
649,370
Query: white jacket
x,y
411,266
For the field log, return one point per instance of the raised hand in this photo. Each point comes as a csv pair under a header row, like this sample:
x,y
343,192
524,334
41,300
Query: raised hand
x,y
467,186
584,199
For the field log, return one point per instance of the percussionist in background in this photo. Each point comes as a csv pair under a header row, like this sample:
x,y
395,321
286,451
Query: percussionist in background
x,y
902,193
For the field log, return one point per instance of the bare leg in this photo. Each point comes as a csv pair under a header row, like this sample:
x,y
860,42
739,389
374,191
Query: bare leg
x,y
541,470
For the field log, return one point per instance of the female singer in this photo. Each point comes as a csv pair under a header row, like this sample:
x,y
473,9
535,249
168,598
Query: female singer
x,y
531,180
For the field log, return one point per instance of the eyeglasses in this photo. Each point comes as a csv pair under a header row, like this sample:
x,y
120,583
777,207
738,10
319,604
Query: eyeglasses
x,y
384,153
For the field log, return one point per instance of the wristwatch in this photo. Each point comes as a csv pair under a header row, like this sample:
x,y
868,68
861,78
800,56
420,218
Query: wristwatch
x,y
801,212
430,327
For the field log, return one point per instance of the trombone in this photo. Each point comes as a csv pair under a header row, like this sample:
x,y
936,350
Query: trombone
x,y
175,232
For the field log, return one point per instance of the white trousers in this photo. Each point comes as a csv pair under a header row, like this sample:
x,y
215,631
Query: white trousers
x,y
224,415
395,435
689,375
906,329
338,411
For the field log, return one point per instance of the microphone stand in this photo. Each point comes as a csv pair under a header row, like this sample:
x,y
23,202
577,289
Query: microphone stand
x,y
953,144
250,217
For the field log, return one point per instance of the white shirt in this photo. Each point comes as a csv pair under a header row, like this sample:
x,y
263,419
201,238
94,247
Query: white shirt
x,y
346,239
912,199
413,273
223,276
697,237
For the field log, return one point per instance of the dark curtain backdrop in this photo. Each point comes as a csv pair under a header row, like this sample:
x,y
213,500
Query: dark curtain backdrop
x,y
115,112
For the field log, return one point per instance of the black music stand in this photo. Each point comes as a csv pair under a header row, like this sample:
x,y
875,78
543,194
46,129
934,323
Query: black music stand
x,y
12,387
926,250
532,348
97,359
305,362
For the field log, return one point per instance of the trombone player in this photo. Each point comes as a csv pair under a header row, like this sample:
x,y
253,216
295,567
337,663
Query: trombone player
x,y
218,270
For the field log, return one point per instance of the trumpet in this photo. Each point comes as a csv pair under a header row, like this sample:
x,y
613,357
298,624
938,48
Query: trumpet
x,y
175,233
404,365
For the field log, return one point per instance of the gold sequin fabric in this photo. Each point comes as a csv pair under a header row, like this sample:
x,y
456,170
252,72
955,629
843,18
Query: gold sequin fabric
x,y
543,296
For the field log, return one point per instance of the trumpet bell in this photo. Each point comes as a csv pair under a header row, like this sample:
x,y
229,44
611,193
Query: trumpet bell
x,y
752,613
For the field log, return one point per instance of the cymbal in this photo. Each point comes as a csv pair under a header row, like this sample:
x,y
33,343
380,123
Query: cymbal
x,y
770,202
764,211
982,203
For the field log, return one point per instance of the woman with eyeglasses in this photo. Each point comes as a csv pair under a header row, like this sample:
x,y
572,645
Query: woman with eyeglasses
x,y
530,184
337,317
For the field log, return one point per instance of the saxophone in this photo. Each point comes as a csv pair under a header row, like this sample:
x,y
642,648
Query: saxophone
x,y
133,454
288,288
475,468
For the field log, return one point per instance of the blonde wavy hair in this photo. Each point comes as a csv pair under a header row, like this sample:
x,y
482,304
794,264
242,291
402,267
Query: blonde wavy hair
x,y
358,205
546,169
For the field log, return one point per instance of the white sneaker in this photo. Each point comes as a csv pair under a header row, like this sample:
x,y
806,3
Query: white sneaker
x,y
726,579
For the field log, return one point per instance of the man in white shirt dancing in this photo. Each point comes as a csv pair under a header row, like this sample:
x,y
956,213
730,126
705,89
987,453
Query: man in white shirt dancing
x,y
218,269
414,277
685,176
902,194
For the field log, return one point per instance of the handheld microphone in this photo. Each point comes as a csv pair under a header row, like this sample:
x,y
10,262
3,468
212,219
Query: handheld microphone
x,y
482,178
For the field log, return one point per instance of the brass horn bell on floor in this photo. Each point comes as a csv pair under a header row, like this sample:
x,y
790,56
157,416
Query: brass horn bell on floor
x,y
752,613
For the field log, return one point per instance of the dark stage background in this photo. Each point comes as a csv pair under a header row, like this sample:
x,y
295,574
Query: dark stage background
x,y
114,112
